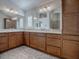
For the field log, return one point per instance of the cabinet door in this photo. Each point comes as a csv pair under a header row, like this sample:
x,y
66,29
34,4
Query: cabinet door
x,y
33,42
70,49
26,38
19,38
3,43
12,40
70,24
38,41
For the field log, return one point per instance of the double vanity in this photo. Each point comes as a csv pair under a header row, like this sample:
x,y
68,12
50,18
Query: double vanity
x,y
47,42
34,30
63,46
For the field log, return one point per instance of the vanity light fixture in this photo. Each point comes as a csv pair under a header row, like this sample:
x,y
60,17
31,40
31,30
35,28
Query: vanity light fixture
x,y
11,11
8,10
8,20
41,10
49,8
16,12
45,9
15,18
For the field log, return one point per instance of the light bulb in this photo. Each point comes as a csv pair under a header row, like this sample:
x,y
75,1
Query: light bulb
x,y
49,8
12,11
16,12
35,18
44,9
40,10
8,10
15,18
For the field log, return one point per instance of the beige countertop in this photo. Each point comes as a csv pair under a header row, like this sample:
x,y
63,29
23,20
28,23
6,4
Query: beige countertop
x,y
31,30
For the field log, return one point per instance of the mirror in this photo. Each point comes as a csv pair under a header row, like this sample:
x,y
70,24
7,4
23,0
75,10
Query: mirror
x,y
55,19
10,22
46,17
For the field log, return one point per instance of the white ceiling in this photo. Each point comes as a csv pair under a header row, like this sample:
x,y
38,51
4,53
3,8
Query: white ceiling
x,y
26,4
21,4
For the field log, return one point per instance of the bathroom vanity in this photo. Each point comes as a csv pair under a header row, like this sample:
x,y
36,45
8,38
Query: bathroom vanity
x,y
55,32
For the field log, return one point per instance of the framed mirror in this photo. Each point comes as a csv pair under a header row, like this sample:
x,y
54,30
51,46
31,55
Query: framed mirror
x,y
9,23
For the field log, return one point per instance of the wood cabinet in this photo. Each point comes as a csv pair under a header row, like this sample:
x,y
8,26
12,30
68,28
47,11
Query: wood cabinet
x,y
37,40
54,44
70,17
15,39
71,29
70,49
27,38
3,42
66,46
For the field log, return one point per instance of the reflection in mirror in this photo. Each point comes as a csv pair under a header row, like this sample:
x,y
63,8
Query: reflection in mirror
x,y
47,16
55,20
30,22
10,22
19,23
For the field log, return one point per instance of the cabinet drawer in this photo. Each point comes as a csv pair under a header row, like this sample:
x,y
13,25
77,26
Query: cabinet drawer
x,y
37,34
20,33
69,37
26,33
3,34
53,50
53,36
54,42
15,33
12,34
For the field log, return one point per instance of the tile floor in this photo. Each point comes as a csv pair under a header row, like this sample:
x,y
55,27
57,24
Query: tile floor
x,y
25,53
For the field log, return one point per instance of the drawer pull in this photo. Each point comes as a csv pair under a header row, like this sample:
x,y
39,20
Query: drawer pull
x,y
53,46
52,37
